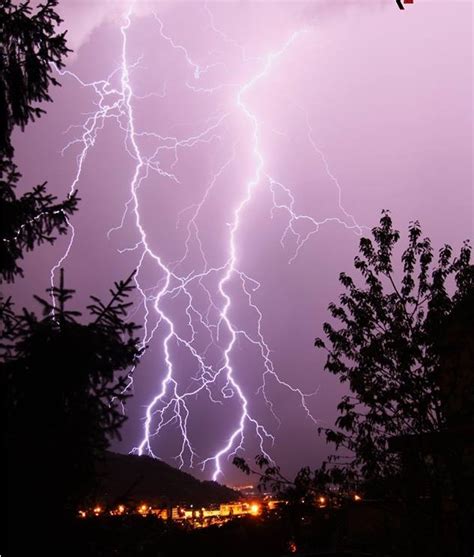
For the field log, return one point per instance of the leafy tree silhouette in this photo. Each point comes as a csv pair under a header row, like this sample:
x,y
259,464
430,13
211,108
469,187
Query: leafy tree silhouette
x,y
388,349
63,396
29,48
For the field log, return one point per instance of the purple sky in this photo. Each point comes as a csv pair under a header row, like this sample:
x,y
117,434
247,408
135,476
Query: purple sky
x,y
363,99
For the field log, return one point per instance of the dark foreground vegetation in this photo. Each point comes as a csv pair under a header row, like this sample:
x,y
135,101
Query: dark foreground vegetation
x,y
400,482
242,536
367,528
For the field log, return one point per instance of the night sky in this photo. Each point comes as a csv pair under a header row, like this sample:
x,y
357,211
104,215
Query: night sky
x,y
281,129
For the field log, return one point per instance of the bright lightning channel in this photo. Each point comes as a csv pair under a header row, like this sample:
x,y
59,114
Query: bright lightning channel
x,y
219,381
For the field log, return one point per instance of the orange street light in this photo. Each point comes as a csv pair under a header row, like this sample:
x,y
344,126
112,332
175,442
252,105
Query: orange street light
x,y
254,509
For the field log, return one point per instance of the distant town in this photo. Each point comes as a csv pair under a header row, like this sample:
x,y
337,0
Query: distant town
x,y
253,503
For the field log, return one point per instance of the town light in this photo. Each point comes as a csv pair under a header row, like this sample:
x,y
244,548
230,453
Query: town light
x,y
254,509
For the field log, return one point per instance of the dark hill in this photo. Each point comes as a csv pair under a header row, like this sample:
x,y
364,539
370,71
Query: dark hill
x,y
131,478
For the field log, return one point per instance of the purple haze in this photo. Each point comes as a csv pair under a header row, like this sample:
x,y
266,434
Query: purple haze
x,y
369,99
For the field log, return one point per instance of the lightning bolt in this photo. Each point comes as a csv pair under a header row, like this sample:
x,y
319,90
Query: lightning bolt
x,y
206,292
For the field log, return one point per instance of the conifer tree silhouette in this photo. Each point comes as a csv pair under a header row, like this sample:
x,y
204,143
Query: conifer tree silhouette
x,y
30,50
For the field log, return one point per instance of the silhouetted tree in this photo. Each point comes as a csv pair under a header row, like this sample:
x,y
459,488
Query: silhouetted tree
x,y
401,338
455,446
63,395
63,377
388,351
386,347
29,48
308,490
27,221
301,492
